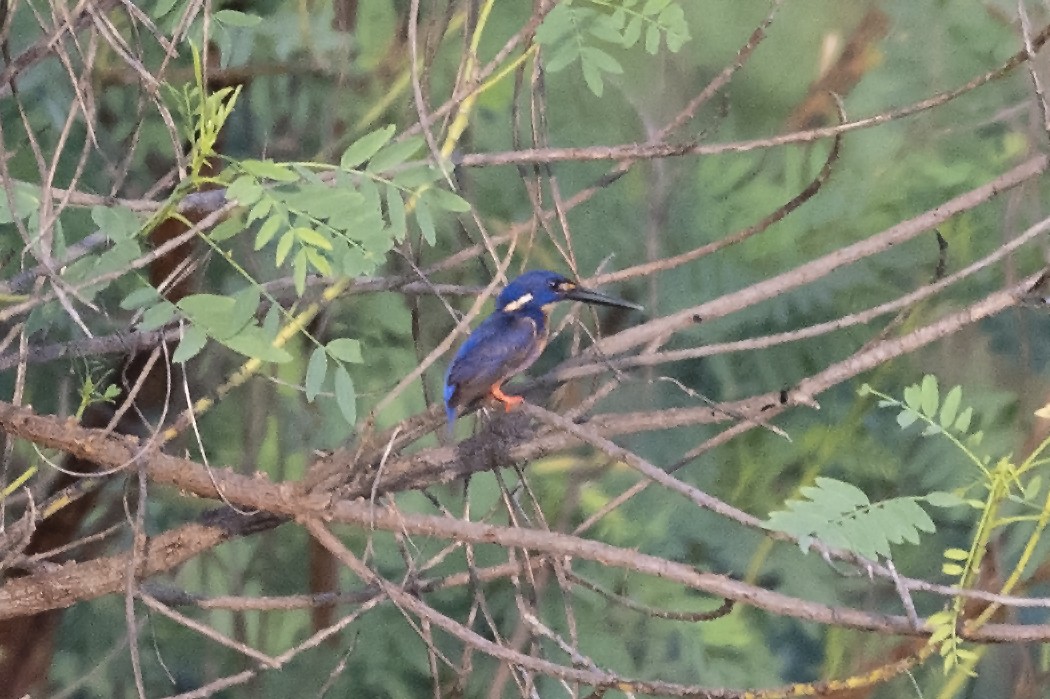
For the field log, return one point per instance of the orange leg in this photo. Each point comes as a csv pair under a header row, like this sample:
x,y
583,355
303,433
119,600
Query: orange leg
x,y
509,402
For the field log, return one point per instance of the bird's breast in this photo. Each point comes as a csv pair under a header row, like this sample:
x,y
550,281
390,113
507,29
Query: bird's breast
x,y
540,334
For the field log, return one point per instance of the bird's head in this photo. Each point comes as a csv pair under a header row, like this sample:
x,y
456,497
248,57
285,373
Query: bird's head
x,y
539,289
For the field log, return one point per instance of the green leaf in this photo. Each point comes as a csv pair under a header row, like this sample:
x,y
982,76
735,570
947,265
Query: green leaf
x,y
930,396
313,237
632,32
395,154
558,23
950,407
268,230
604,28
913,397
354,262
192,342
24,202
245,303
916,516
652,39
956,554
139,298
600,59
940,633
906,418
345,350
234,18
414,177
952,569
561,56
162,8
365,147
284,247
1032,487
272,322
593,77
836,493
319,262
448,201
895,529
345,396
299,270
260,209
931,430
244,190
226,229
395,211
676,33
270,170
157,316
256,343
316,370
866,541
220,317
117,222
425,221
940,498
324,202
840,514
962,423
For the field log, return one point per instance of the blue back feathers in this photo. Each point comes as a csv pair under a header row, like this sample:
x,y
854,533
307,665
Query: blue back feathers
x,y
511,338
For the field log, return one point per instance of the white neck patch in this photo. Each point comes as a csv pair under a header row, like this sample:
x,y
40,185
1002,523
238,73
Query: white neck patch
x,y
517,303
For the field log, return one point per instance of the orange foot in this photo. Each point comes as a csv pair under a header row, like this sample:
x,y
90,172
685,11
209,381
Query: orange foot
x,y
509,402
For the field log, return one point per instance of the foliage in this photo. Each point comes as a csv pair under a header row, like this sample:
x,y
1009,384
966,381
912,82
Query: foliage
x,y
203,116
1003,483
96,390
922,403
570,30
841,515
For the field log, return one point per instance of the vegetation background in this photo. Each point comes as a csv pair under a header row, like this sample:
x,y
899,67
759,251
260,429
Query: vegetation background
x,y
240,241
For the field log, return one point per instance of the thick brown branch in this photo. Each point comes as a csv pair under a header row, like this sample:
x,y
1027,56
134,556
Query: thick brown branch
x,y
74,582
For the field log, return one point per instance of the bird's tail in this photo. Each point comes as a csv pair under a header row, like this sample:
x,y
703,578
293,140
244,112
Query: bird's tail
x,y
450,410
450,404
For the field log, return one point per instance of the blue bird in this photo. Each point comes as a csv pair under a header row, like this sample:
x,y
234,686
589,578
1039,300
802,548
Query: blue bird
x,y
511,339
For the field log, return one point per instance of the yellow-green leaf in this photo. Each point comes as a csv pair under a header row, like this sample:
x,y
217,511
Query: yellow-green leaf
x,y
365,147
316,370
312,237
345,395
345,349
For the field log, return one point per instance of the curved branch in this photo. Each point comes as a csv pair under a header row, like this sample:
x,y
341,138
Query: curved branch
x,y
819,267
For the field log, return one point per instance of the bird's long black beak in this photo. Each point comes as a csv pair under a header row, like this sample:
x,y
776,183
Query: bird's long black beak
x,y
593,297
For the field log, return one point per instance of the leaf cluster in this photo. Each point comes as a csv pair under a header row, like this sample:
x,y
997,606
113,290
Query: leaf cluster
x,y
840,515
338,229
582,32
203,114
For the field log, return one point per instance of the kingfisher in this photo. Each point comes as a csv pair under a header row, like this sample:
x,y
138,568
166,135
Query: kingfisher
x,y
511,339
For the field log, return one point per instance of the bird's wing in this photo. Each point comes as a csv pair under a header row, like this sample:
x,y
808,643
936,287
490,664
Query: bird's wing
x,y
500,347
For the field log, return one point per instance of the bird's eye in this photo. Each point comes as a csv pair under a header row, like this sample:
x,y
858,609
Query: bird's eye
x,y
562,286
554,285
